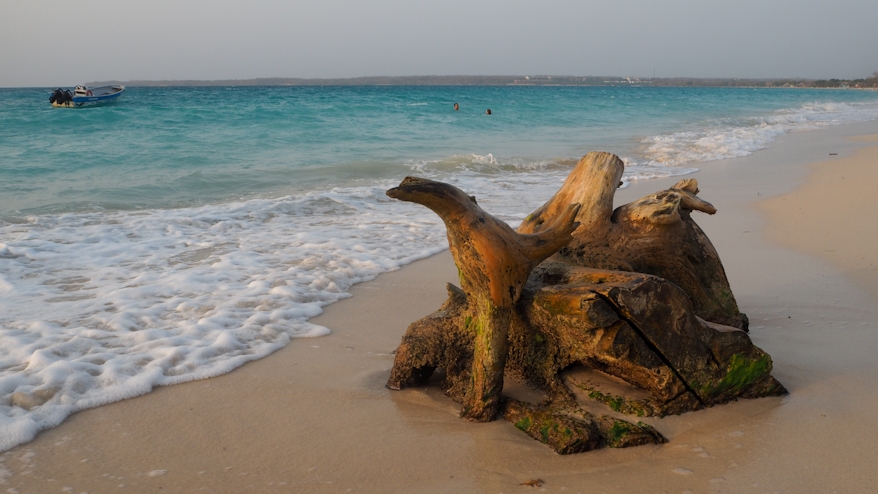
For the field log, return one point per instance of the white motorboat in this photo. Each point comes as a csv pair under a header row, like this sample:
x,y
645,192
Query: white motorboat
x,y
83,95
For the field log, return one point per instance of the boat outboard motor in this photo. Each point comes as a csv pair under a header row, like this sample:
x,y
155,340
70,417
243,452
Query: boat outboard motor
x,y
61,96
57,96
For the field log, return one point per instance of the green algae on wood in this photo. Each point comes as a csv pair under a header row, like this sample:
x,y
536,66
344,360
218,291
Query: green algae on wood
x,y
573,430
742,372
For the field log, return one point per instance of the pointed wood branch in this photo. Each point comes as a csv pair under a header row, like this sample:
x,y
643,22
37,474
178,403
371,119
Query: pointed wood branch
x,y
493,258
494,262
592,183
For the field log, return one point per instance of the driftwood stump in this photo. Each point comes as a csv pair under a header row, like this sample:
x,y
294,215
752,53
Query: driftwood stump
x,y
531,320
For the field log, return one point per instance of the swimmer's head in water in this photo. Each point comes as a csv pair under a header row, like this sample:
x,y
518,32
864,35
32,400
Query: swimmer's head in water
x,y
488,111
456,107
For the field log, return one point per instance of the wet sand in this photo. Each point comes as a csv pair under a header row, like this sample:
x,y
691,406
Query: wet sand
x,y
798,245
838,203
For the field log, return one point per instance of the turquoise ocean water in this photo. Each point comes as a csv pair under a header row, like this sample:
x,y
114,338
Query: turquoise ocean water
x,y
180,232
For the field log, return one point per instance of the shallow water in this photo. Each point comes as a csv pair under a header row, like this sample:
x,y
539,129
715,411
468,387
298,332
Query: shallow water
x,y
181,232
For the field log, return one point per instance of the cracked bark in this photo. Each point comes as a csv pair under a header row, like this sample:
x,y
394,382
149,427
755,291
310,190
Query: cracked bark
x,y
653,235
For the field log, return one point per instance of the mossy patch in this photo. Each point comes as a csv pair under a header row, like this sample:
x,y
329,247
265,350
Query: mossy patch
x,y
551,427
740,373
523,424
614,402
544,431
623,434
618,432
619,403
546,428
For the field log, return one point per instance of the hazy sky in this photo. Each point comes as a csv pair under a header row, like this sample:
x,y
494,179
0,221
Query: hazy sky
x,y
63,43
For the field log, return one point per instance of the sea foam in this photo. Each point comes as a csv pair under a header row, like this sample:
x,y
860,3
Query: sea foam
x,y
736,137
100,307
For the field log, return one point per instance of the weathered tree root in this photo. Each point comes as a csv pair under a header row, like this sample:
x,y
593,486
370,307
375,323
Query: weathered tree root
x,y
529,321
573,430
604,320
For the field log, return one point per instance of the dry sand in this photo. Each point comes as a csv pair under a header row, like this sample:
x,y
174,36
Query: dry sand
x,y
800,251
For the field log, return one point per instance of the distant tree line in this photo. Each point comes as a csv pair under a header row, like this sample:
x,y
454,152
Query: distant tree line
x,y
869,82
538,80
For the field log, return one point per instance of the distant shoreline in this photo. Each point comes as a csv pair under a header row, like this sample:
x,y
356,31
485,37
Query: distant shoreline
x,y
600,81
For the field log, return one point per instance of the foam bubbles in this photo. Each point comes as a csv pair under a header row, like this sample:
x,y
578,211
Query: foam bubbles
x,y
737,137
102,307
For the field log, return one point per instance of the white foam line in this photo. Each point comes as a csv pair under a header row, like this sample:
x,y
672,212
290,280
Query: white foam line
x,y
102,307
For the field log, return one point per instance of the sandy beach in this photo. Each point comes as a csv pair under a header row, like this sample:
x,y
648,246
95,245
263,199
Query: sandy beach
x,y
796,233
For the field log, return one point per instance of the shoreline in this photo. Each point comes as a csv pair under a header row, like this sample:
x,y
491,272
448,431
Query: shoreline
x,y
837,235
247,83
315,417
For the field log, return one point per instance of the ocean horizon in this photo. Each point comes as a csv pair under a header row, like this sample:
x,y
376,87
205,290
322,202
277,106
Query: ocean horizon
x,y
183,231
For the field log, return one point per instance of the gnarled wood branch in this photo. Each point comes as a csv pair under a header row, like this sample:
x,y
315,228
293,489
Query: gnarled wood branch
x,y
494,262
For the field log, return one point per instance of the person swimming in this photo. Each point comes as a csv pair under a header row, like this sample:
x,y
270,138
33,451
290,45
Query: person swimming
x,y
488,111
456,107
